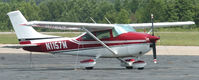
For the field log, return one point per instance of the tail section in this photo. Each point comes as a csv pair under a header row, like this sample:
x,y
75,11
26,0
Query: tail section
x,y
25,32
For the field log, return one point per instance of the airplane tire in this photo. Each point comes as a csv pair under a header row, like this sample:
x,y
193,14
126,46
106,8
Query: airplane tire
x,y
129,67
141,68
88,68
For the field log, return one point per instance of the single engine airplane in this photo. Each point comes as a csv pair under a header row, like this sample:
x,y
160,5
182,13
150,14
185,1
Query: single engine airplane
x,y
99,40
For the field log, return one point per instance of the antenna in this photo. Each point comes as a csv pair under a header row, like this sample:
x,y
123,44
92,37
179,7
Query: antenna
x,y
107,20
92,20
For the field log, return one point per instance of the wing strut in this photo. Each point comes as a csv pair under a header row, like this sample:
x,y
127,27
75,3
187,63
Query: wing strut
x,y
113,52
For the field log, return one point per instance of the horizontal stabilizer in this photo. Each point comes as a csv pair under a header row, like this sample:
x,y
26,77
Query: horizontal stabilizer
x,y
20,46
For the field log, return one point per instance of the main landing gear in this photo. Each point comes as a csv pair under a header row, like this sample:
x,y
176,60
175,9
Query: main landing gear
x,y
88,64
131,63
139,64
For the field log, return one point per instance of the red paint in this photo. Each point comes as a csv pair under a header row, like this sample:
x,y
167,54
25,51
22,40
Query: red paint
x,y
87,61
24,42
155,60
130,60
139,62
153,38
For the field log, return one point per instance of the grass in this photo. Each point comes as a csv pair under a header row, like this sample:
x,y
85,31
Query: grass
x,y
166,38
8,39
178,38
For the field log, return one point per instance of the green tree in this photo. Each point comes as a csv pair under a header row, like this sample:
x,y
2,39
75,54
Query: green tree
x,y
44,13
29,9
196,16
171,11
4,20
185,9
156,7
121,17
100,11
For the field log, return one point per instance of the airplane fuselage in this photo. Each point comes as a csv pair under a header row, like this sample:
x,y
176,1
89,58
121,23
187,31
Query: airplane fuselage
x,y
129,44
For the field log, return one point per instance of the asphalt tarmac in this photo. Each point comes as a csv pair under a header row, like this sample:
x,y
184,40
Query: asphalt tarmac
x,y
18,66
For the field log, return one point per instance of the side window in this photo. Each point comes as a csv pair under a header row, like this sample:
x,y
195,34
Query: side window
x,y
100,35
87,37
103,35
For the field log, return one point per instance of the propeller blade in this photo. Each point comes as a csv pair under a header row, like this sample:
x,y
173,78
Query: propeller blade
x,y
153,42
152,27
154,52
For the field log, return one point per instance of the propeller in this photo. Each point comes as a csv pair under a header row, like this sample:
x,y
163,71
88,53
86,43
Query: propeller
x,y
153,42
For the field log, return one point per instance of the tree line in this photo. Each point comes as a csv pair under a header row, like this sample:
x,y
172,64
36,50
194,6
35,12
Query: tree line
x,y
117,11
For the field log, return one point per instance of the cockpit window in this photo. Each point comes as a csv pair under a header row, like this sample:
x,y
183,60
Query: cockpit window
x,y
87,37
103,34
119,29
99,35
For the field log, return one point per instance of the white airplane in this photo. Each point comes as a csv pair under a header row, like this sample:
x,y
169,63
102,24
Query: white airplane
x,y
99,40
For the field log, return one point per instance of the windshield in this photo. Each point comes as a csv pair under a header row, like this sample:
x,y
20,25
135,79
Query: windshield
x,y
122,28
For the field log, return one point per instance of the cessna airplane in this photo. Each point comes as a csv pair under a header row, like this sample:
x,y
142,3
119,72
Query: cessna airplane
x,y
99,40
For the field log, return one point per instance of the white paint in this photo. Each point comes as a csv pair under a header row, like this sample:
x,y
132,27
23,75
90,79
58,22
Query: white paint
x,y
135,49
139,65
88,64
98,27
51,40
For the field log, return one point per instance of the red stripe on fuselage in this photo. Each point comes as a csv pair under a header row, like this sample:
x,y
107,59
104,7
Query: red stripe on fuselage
x,y
24,42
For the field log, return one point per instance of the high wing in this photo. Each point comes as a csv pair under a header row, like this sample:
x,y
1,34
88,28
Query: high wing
x,y
161,24
98,27
69,25
17,46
